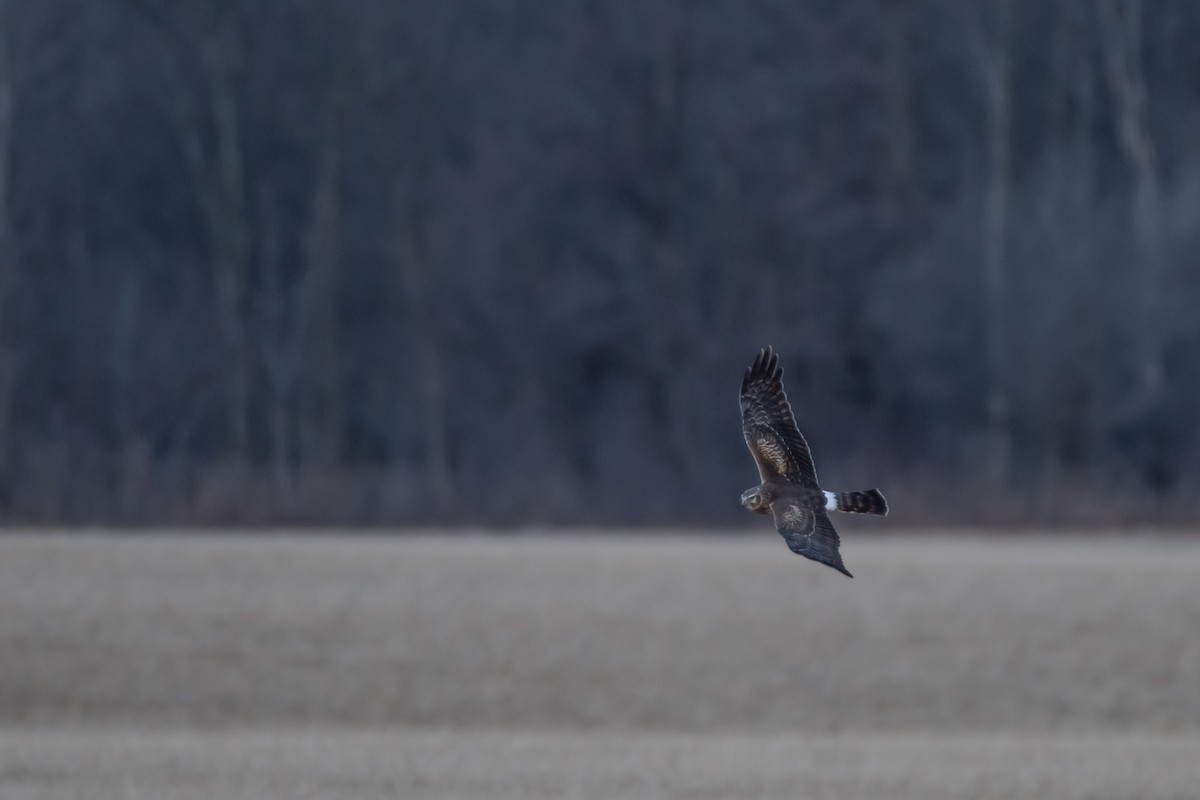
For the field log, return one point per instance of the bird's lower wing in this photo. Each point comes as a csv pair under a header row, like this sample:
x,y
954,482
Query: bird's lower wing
x,y
810,533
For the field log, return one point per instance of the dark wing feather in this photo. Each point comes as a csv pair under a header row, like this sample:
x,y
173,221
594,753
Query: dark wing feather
x,y
809,532
769,427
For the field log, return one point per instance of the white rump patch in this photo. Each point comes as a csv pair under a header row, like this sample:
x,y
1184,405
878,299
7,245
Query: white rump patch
x,y
830,500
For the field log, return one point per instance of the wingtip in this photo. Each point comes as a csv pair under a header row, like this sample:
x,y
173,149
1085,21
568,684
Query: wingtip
x,y
833,562
755,368
766,363
837,565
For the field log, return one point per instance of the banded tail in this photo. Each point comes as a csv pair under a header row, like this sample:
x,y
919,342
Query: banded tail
x,y
869,501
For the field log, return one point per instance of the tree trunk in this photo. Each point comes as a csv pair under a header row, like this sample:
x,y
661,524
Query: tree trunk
x,y
230,232
899,190
430,381
1121,34
324,412
1121,27
992,48
9,252
218,175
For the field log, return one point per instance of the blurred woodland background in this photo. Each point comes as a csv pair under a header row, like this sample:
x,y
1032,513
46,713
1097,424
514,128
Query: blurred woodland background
x,y
439,261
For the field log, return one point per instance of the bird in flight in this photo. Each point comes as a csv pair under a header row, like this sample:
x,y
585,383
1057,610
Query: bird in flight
x,y
789,490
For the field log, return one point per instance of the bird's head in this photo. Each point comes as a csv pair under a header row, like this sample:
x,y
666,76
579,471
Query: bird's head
x,y
757,500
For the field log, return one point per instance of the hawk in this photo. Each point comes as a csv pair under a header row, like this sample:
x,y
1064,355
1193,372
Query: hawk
x,y
789,490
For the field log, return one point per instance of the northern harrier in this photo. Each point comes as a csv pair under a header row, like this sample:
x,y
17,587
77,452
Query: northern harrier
x,y
789,490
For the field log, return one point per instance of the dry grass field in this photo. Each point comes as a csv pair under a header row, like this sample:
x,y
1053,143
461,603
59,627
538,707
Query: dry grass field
x,y
598,666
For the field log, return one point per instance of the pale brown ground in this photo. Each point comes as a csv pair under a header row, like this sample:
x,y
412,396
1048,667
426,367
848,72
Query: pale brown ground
x,y
598,667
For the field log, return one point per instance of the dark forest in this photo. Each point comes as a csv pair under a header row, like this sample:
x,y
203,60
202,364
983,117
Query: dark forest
x,y
503,263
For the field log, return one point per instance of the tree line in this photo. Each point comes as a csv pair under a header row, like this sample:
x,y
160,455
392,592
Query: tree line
x,y
503,263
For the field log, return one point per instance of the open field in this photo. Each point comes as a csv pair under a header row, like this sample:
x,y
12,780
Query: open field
x,y
598,667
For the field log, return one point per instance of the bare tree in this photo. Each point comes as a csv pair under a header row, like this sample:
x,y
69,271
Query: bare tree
x,y
324,416
659,175
1121,25
421,88
899,162
279,347
990,36
205,53
9,259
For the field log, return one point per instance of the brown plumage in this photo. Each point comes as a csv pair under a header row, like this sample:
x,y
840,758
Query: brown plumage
x,y
789,490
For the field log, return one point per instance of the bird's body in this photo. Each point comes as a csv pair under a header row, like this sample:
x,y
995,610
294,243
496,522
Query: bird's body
x,y
789,490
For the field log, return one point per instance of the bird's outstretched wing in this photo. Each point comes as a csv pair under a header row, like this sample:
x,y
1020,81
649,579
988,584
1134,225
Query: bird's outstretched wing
x,y
769,427
809,532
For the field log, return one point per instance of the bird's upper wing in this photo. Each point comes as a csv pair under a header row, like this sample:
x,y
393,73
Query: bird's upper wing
x,y
769,427
809,532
